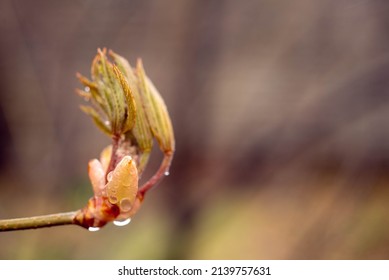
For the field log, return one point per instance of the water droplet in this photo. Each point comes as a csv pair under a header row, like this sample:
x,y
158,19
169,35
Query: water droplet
x,y
166,173
113,199
109,176
93,228
125,204
121,223
87,89
107,123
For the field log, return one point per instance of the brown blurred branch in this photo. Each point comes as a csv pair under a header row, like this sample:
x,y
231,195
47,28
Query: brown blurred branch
x,y
52,220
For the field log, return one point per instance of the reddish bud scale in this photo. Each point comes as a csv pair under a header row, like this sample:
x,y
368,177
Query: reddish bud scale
x,y
97,213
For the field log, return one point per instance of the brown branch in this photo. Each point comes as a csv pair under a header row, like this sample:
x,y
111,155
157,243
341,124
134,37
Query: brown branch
x,y
52,220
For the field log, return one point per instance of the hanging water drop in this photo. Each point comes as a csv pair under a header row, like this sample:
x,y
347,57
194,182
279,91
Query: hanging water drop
x,y
125,204
166,173
87,89
93,228
122,223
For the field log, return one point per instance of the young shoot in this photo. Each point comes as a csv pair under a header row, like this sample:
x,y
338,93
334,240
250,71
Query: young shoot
x,y
122,102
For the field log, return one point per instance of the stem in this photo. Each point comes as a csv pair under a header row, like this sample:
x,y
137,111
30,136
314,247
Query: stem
x,y
162,171
143,159
52,220
113,161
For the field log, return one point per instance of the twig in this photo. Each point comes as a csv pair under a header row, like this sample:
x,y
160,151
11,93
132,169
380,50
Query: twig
x,y
113,161
58,219
162,172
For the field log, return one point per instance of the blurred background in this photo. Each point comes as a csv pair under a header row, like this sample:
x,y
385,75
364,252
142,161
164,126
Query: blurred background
x,y
280,110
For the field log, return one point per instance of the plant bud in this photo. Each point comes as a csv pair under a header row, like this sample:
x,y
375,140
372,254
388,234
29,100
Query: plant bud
x,y
156,111
113,105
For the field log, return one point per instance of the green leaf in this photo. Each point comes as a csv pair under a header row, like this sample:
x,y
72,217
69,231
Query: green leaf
x,y
141,131
103,125
130,102
156,112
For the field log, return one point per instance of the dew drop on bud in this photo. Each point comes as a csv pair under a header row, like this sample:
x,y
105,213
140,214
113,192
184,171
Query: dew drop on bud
x,y
87,89
113,199
121,223
93,228
125,204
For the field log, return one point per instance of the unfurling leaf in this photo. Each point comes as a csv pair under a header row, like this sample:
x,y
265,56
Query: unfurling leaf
x,y
130,101
103,125
141,131
110,94
156,112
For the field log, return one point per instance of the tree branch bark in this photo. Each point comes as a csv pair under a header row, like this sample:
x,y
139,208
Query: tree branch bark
x,y
52,220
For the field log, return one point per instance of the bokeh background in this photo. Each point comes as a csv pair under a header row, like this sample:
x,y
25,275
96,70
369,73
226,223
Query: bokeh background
x,y
280,110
